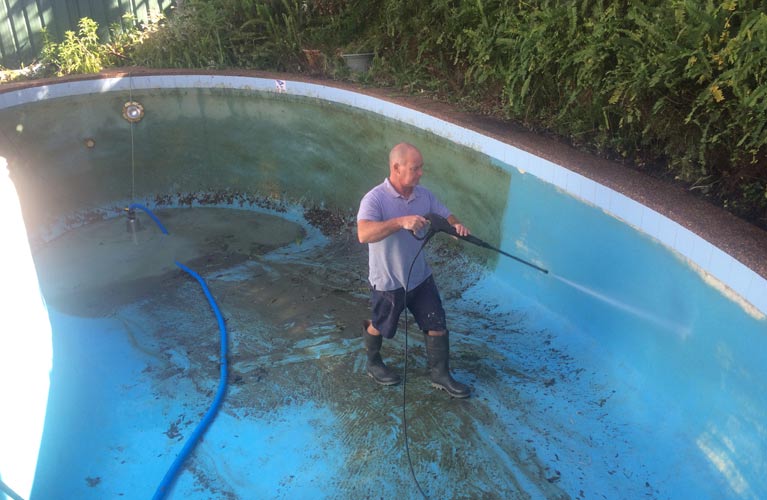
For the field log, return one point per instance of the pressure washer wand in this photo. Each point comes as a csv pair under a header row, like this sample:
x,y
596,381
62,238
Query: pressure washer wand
x,y
440,224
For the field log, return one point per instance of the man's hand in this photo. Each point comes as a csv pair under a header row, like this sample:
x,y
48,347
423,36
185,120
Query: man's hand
x,y
413,223
461,229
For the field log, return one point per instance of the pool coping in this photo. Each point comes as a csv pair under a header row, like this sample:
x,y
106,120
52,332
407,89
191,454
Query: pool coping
x,y
718,243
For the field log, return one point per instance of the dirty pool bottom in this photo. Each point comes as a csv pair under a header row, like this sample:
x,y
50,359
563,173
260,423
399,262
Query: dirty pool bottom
x,y
136,365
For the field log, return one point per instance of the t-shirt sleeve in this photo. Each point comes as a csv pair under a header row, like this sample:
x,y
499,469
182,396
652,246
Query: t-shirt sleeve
x,y
370,208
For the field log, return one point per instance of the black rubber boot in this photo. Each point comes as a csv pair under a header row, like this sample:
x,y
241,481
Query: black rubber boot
x,y
375,366
438,353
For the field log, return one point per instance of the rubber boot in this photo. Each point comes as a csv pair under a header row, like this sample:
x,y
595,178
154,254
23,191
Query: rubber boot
x,y
376,368
438,354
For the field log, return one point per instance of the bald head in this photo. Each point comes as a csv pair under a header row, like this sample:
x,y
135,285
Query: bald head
x,y
404,153
405,167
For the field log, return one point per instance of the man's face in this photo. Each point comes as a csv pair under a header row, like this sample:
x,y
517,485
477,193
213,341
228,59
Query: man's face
x,y
411,169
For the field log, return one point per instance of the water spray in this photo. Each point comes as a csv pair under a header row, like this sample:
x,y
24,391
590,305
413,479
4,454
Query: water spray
x,y
438,224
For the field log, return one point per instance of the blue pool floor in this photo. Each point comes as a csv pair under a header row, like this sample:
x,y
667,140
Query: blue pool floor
x,y
136,367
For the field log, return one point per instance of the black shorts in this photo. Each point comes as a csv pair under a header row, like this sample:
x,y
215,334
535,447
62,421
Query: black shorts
x,y
423,301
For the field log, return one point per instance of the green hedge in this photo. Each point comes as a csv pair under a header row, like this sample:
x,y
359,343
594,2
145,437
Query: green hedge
x,y
678,85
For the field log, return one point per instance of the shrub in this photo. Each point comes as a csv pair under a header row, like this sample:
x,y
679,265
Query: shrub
x,y
80,52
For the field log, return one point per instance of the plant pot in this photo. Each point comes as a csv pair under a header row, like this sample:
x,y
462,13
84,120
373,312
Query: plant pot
x,y
359,63
315,61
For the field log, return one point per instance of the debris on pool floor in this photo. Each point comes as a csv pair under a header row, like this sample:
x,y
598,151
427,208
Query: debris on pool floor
x,y
136,366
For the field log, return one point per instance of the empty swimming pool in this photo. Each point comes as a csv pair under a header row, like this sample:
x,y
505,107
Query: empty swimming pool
x,y
634,368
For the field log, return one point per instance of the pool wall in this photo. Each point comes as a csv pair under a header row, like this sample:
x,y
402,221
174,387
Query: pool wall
x,y
709,259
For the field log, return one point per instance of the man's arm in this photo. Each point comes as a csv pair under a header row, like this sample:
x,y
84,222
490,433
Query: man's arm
x,y
370,231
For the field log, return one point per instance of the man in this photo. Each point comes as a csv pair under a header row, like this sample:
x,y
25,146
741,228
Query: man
x,y
388,216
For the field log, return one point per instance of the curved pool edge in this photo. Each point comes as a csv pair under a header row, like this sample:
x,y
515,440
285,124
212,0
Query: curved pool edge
x,y
720,268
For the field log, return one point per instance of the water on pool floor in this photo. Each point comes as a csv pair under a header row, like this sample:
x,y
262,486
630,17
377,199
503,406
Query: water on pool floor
x,y
136,366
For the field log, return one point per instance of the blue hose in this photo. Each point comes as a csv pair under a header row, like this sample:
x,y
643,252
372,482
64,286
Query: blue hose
x,y
150,214
170,476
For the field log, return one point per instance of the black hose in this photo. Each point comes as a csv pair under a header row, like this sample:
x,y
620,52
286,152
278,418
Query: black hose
x,y
438,224
404,375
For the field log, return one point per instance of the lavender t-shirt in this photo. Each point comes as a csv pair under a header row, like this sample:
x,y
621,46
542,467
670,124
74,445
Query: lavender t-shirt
x,y
390,259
